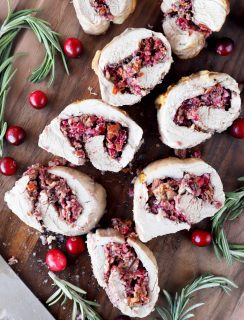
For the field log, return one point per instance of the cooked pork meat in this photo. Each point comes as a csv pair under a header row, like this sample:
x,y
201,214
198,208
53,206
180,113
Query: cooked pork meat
x,y
187,23
196,107
172,194
131,65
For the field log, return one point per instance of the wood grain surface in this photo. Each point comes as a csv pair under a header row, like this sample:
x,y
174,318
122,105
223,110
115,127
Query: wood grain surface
x,y
179,261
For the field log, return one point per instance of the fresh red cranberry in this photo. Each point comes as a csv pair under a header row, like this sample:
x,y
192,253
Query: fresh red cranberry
x,y
73,48
224,46
56,260
8,166
201,238
38,99
75,245
15,135
122,318
237,128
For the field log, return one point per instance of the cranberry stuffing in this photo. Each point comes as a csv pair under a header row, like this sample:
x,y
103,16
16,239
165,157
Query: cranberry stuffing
x,y
38,99
56,260
237,128
122,318
75,245
15,135
73,48
224,46
201,238
8,166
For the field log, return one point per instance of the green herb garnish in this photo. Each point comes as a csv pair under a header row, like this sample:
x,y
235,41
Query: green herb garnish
x,y
12,25
81,307
233,208
178,308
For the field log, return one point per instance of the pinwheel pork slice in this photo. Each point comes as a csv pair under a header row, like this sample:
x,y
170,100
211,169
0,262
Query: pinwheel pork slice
x,y
172,194
187,23
192,110
131,65
126,269
58,199
95,16
91,129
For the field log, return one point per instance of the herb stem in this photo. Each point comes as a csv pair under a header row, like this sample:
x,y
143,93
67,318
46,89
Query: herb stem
x,y
11,26
233,208
81,306
177,306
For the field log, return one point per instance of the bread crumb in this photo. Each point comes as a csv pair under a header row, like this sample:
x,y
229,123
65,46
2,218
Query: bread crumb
x,y
50,239
12,261
90,89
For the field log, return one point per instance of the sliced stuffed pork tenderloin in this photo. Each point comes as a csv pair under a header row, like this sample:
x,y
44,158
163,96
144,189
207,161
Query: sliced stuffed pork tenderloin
x,y
126,269
57,199
196,107
187,23
95,16
172,194
91,129
131,65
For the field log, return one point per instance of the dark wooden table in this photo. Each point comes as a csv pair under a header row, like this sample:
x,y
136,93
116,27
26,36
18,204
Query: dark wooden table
x,y
179,261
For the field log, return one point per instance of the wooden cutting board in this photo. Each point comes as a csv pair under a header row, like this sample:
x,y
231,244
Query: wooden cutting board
x,y
179,261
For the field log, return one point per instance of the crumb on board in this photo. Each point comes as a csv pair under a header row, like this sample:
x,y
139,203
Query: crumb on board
x,y
91,91
43,239
50,239
12,261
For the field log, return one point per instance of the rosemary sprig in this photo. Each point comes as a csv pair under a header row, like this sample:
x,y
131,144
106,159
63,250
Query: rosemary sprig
x,y
82,308
6,74
233,208
178,308
12,25
22,19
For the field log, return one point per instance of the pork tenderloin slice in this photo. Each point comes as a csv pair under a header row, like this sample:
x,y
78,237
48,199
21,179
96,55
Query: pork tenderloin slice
x,y
53,140
187,44
210,120
114,288
149,225
93,23
90,195
120,48
20,203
